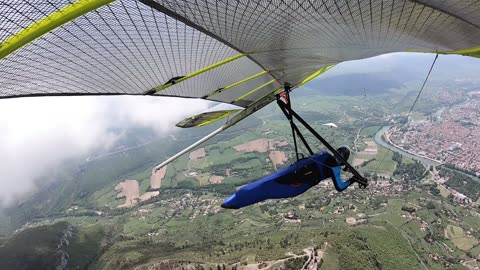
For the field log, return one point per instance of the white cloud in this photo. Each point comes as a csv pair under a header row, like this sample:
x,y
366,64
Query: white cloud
x,y
37,134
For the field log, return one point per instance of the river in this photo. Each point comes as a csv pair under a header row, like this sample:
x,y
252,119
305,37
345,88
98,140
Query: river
x,y
379,140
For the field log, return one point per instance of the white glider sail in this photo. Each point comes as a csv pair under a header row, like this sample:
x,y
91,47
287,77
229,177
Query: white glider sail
x,y
229,51
237,52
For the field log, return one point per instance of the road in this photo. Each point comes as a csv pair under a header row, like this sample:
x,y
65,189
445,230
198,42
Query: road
x,y
310,264
358,136
349,119
88,159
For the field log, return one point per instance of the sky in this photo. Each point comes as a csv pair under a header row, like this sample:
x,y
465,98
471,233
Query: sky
x,y
38,134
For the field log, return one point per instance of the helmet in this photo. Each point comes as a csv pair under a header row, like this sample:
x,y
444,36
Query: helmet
x,y
344,151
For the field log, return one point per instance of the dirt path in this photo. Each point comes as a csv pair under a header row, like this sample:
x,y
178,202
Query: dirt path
x,y
89,159
310,264
312,261
356,139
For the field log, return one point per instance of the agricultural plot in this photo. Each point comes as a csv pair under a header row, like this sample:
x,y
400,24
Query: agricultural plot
x,y
370,131
476,251
383,162
369,153
457,235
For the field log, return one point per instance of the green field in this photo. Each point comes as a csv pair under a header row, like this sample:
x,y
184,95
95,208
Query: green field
x,y
383,162
458,237
476,251
473,221
201,163
444,191
252,163
370,131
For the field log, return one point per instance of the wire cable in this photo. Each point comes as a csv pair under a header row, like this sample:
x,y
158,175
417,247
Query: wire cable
x,y
413,105
421,90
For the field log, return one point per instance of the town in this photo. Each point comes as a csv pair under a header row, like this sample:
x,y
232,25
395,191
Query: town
x,y
449,137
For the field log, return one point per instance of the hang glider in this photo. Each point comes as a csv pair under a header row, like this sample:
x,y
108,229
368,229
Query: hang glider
x,y
236,52
331,125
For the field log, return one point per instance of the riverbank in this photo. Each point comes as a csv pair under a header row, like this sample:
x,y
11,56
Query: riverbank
x,y
385,142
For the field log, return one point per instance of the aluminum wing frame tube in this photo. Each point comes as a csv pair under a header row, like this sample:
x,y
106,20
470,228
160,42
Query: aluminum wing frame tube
x,y
189,148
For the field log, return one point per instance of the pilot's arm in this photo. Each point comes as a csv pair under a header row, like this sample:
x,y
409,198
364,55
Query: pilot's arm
x,y
337,179
333,169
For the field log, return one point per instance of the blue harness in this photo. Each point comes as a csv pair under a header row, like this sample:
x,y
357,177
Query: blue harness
x,y
288,182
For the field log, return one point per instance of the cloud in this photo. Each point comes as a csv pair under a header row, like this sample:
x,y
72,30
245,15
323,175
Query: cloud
x,y
38,134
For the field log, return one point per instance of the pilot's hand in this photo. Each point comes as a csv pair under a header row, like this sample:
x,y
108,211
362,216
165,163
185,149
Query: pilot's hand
x,y
362,183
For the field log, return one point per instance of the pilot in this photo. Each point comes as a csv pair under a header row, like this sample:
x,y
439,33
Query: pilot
x,y
293,180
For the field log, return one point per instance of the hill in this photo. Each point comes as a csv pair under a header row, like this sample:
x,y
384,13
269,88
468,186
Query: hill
x,y
352,85
37,248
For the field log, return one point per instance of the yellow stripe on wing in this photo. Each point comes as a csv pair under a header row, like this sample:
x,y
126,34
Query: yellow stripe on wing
x,y
196,73
255,90
314,75
216,92
49,23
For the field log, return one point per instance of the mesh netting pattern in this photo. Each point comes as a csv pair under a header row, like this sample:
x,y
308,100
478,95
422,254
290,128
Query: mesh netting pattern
x,y
342,30
17,15
125,47
131,47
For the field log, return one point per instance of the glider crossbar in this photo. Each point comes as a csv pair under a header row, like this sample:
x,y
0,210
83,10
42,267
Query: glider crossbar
x,y
290,113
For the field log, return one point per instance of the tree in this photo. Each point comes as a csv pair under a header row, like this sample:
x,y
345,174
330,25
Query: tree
x,y
408,209
397,157
430,205
434,190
